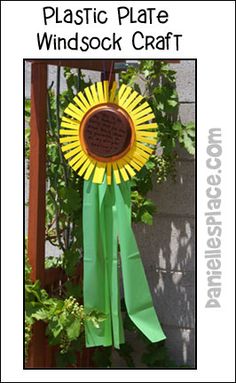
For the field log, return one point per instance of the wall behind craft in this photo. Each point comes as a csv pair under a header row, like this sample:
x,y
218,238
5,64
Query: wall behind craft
x,y
167,247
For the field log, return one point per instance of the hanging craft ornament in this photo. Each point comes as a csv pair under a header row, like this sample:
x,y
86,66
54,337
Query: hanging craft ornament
x,y
107,135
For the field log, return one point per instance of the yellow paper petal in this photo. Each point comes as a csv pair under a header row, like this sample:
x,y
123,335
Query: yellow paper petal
x,y
113,91
80,104
116,173
130,170
144,119
99,173
84,167
121,91
80,162
72,152
147,140
94,93
142,153
64,148
139,108
109,173
76,110
140,158
135,162
146,134
69,126
68,139
130,99
89,96
122,170
135,165
89,170
147,126
124,96
70,120
106,90
144,147
142,113
72,114
76,158
83,99
68,132
134,103
100,92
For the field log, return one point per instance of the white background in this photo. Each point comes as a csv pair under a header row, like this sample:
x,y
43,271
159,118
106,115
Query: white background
x,y
208,35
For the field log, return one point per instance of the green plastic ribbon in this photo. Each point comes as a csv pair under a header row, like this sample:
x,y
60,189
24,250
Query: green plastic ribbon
x,y
107,219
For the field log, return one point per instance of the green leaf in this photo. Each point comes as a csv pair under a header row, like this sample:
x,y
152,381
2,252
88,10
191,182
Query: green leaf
x,y
55,327
190,126
73,331
191,133
150,165
53,262
177,126
188,143
41,314
32,307
172,103
147,218
71,199
56,306
71,260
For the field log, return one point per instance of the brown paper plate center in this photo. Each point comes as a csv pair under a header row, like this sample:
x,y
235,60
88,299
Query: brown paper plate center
x,y
106,132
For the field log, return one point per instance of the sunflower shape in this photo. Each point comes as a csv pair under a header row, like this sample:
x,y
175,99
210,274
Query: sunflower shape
x,y
108,131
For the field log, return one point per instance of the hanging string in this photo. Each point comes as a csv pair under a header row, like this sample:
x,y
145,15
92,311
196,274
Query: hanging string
x,y
111,69
103,70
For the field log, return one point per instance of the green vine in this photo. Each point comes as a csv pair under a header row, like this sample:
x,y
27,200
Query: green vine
x,y
65,317
157,82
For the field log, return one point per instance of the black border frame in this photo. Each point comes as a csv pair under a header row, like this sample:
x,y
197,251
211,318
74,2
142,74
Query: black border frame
x,y
195,219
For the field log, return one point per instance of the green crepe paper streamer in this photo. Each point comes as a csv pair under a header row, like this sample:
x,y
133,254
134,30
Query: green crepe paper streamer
x,y
101,282
107,216
136,290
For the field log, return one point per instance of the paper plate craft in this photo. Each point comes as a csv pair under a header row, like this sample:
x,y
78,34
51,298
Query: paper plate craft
x,y
107,135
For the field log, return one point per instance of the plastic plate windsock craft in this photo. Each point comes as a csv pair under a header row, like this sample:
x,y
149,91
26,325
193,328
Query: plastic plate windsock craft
x,y
107,135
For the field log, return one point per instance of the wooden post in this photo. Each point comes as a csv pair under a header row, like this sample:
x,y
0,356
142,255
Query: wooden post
x,y
37,185
37,182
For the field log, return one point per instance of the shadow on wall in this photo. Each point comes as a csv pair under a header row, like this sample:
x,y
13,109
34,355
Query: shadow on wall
x,y
167,250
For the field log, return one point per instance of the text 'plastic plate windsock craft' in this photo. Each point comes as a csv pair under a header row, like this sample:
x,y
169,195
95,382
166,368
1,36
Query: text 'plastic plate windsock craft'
x,y
107,136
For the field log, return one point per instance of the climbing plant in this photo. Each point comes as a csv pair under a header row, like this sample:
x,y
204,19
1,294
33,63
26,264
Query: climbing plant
x,y
64,316
62,310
